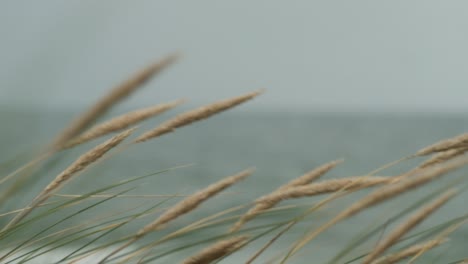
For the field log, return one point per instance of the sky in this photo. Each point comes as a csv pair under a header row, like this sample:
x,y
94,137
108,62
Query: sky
x,y
308,55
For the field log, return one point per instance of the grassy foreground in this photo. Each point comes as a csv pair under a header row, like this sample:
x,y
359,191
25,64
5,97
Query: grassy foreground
x,y
28,233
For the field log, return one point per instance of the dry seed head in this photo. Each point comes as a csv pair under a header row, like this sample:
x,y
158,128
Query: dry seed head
x,y
113,97
193,201
122,122
327,186
195,115
408,225
411,251
444,156
302,180
385,193
217,250
390,191
447,144
311,175
86,159
270,200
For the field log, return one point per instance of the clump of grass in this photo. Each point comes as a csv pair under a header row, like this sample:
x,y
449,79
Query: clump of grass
x,y
447,156
188,204
384,193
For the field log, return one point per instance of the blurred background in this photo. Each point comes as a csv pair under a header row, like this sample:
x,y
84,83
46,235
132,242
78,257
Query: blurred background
x,y
310,55
367,81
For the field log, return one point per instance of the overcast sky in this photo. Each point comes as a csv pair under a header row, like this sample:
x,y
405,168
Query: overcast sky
x,y
330,55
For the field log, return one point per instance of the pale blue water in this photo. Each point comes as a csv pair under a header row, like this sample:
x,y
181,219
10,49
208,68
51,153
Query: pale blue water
x,y
280,145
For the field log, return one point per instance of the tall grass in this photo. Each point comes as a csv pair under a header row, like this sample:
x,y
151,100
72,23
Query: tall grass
x,y
248,231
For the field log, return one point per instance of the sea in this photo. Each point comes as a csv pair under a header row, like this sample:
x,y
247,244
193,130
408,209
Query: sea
x,y
280,145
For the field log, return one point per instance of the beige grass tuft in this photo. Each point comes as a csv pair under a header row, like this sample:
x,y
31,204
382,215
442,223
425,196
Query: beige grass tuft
x,y
444,145
408,225
113,97
270,200
391,191
186,205
195,115
411,251
443,157
193,201
85,160
327,186
302,180
311,175
79,165
122,122
384,193
217,250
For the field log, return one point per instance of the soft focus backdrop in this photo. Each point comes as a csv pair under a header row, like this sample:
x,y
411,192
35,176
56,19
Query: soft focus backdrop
x,y
367,81
310,55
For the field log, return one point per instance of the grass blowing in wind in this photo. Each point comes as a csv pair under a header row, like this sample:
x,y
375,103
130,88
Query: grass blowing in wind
x,y
167,228
188,204
195,115
79,165
83,121
116,95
